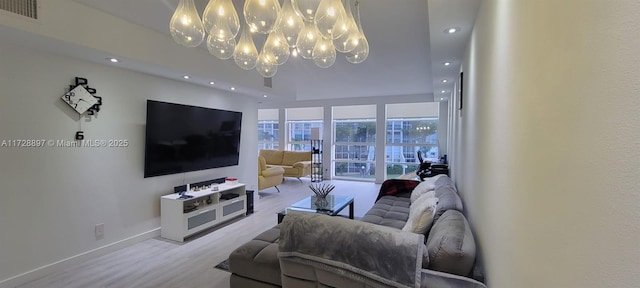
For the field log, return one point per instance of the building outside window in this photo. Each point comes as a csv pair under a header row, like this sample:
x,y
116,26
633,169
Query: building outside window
x,y
300,134
299,123
354,137
268,129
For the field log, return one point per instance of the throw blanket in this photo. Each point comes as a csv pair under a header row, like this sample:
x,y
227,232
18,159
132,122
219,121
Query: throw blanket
x,y
392,187
353,249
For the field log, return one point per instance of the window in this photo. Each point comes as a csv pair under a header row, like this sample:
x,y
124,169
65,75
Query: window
x,y
268,134
354,129
268,129
300,122
300,134
411,128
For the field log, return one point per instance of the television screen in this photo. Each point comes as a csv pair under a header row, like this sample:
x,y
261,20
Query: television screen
x,y
182,138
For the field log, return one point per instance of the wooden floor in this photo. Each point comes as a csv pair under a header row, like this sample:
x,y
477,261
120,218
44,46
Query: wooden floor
x,y
163,263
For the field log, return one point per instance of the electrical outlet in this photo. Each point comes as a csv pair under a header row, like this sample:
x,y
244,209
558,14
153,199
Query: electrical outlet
x,y
99,231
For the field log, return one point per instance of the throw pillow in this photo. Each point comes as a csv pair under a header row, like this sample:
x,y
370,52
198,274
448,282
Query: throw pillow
x,y
421,214
432,180
421,189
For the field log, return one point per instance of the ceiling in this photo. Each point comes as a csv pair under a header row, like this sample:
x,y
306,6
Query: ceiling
x,y
407,39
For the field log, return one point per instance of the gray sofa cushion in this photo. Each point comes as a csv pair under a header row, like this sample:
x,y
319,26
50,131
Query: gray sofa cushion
x,y
258,258
451,245
445,182
390,211
448,199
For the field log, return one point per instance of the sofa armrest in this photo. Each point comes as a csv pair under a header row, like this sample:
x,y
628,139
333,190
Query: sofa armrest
x,y
302,164
272,171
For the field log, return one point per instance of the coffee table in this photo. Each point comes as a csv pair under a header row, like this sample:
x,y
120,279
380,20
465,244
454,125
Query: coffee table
x,y
335,204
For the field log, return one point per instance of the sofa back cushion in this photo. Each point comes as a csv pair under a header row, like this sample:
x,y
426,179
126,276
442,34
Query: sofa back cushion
x,y
273,157
444,181
448,199
451,246
291,157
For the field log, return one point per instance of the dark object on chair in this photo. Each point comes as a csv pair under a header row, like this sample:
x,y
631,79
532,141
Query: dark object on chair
x,y
425,168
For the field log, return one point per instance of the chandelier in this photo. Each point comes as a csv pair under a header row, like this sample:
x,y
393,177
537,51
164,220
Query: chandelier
x,y
313,29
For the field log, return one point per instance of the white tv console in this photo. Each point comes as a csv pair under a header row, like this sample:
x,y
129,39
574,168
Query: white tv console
x,y
181,218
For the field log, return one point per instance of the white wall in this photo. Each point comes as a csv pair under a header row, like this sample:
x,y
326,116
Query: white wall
x,y
547,142
51,197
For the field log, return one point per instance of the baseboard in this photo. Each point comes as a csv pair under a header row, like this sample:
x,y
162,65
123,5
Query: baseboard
x,y
65,263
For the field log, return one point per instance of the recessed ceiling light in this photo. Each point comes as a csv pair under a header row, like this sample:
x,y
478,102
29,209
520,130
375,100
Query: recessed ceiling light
x,y
265,96
443,91
233,88
441,99
451,30
447,64
444,81
113,60
212,83
185,76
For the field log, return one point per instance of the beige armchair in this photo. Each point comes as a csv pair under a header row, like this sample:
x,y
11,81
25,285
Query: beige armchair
x,y
269,176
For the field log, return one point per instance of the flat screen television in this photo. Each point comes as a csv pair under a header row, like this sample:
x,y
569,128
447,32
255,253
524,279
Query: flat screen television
x,y
182,138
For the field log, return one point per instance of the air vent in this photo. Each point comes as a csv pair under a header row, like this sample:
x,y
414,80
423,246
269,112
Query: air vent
x,y
27,8
268,82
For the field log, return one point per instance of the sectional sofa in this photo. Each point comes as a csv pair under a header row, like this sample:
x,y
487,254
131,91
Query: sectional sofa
x,y
311,250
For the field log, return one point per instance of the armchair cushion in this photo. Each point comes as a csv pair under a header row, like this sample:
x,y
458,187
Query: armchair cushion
x,y
272,171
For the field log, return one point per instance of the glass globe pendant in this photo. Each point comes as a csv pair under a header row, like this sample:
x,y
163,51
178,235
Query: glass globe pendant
x,y
276,45
329,13
350,33
306,8
266,65
361,52
290,23
324,54
186,26
221,19
307,40
222,49
261,15
245,54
